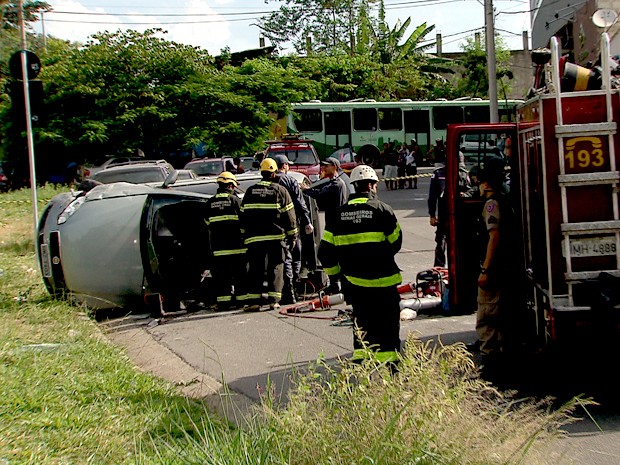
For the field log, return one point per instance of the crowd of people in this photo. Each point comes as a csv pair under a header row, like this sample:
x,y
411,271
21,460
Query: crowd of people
x,y
261,236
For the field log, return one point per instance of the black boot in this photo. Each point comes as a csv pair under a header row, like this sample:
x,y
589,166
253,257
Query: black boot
x,y
288,294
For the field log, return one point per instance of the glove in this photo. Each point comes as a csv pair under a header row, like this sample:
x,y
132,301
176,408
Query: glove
x,y
309,228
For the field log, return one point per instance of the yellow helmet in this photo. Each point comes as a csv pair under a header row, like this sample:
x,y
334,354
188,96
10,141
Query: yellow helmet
x,y
269,164
226,177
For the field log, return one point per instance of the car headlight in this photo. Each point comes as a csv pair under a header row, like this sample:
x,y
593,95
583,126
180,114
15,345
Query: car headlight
x,y
313,177
70,209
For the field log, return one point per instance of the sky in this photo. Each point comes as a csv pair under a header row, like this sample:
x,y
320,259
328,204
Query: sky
x,y
215,24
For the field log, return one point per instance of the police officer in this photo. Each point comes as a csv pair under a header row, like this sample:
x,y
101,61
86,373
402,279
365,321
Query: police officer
x,y
292,262
269,221
360,242
437,207
228,265
497,294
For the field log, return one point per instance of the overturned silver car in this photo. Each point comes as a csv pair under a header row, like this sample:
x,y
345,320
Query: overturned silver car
x,y
136,246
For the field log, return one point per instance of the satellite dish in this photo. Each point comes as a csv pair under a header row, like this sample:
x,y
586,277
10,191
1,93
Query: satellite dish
x,y
604,17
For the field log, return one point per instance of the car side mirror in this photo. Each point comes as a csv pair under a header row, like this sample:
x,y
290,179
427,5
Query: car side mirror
x,y
170,179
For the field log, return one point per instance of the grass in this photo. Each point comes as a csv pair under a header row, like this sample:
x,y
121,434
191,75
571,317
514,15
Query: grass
x,y
68,396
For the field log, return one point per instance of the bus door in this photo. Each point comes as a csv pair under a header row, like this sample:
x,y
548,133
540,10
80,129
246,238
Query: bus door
x,y
337,130
417,126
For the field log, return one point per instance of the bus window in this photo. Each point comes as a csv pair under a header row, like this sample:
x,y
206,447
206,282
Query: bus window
x,y
416,121
390,119
337,122
365,119
477,114
507,115
444,115
308,120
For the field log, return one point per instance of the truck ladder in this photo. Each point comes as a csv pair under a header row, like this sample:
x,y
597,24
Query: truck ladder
x,y
611,177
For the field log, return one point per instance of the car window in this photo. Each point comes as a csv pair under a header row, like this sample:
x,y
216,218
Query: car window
x,y
206,168
297,156
247,163
135,176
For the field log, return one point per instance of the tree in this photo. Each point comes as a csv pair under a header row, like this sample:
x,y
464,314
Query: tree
x,y
475,81
9,17
318,26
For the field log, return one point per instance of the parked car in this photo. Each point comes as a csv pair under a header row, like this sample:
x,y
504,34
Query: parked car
x,y
211,166
88,171
135,173
249,164
186,174
136,246
346,156
298,150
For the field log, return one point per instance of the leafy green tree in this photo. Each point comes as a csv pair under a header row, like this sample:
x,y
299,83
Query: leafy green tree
x,y
318,26
475,81
9,17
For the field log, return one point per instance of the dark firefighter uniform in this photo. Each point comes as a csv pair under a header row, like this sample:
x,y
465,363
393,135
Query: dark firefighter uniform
x,y
228,266
269,222
359,243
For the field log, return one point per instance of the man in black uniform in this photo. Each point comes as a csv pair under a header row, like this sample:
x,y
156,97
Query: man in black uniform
x,y
228,265
329,197
268,218
437,207
292,262
360,242
332,194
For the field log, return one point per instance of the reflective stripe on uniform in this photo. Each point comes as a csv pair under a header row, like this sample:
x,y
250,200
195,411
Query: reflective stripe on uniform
x,y
359,200
219,253
274,294
395,235
248,296
380,356
292,232
259,206
387,281
215,219
287,207
328,237
224,298
359,238
273,237
332,270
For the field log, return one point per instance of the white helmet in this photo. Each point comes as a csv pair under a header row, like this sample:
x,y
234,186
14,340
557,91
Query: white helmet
x,y
363,173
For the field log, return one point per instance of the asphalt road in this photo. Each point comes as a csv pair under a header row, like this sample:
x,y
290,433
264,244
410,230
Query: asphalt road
x,y
249,351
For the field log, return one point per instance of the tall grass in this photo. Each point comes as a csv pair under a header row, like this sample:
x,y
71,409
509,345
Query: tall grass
x,y
67,396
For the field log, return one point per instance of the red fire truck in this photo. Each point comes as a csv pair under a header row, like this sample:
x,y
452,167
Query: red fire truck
x,y
564,181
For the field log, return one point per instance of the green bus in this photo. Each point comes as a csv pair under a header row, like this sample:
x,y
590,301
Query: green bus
x,y
366,125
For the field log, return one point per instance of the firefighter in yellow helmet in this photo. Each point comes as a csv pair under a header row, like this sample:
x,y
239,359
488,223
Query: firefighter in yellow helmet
x,y
228,264
270,224
359,243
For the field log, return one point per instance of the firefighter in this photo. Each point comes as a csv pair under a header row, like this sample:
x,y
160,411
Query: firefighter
x,y
228,265
270,225
359,243
292,262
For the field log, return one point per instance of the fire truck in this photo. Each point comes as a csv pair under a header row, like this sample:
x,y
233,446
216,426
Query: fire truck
x,y
564,181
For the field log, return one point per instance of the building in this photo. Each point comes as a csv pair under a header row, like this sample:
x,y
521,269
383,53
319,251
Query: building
x,y
573,23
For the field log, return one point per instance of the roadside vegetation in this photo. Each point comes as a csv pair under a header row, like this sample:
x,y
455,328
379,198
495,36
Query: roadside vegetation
x,y
69,396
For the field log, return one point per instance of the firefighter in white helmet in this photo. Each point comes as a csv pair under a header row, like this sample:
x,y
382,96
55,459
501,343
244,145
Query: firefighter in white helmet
x,y
360,241
228,264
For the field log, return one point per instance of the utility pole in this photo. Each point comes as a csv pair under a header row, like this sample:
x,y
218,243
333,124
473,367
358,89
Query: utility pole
x,y
33,177
491,60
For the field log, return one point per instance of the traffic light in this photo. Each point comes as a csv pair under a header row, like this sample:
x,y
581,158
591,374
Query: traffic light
x,y
35,91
